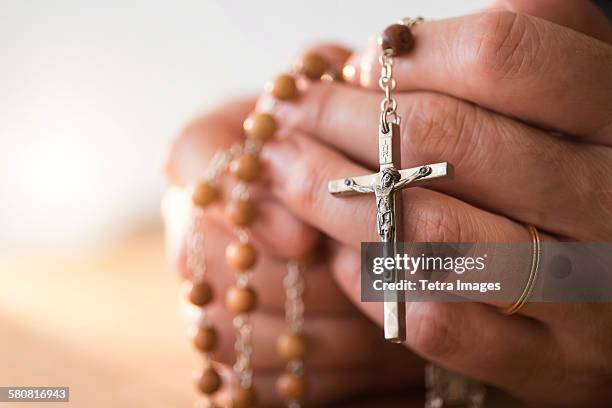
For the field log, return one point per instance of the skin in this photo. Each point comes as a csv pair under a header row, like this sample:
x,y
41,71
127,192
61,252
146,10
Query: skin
x,y
483,92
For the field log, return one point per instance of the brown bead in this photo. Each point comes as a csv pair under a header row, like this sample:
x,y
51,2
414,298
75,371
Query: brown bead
x,y
240,300
204,193
309,257
291,345
241,213
209,381
284,87
291,387
313,66
205,339
240,256
243,398
397,37
261,126
246,167
200,294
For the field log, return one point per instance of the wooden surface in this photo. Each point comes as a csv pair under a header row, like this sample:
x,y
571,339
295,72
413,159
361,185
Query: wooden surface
x,y
107,326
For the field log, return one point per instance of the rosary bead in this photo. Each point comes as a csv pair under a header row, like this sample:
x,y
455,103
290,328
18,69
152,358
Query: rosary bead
x,y
200,294
397,37
313,66
205,339
309,257
260,126
246,167
243,398
240,256
291,345
284,87
291,387
204,193
240,213
240,300
209,381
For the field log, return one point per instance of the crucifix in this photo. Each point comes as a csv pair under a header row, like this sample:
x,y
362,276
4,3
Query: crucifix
x,y
384,185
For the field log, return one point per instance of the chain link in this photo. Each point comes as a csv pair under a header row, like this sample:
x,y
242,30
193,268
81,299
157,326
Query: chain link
x,y
244,349
196,263
294,288
388,106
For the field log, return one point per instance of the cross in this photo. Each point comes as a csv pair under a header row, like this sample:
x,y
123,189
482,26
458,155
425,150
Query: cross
x,y
384,184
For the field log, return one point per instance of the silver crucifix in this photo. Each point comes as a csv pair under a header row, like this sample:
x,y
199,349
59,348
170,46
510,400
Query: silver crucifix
x,y
384,184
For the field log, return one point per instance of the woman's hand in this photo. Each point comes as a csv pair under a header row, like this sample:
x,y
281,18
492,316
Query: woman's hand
x,y
347,355
522,107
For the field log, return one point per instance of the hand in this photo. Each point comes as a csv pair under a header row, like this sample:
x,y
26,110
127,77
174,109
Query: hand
x,y
526,118
341,362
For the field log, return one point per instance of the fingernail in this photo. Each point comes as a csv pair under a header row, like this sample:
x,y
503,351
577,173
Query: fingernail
x,y
349,71
279,156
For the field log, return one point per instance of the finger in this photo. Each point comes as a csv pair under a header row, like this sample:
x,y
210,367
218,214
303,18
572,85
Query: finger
x,y
582,16
324,386
321,294
469,338
330,342
300,168
277,231
482,146
511,63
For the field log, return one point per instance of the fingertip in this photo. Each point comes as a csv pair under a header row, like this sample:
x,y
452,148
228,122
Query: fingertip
x,y
190,150
361,68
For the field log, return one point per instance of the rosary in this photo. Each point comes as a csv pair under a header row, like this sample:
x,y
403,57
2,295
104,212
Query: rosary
x,y
242,162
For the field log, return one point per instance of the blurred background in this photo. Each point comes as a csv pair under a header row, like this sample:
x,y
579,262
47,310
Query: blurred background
x,y
91,94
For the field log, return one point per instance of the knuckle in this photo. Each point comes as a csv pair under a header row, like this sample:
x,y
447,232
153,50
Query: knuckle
x,y
306,191
439,126
319,106
435,221
504,45
431,332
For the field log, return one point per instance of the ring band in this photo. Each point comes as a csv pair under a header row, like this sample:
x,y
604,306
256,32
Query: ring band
x,y
535,263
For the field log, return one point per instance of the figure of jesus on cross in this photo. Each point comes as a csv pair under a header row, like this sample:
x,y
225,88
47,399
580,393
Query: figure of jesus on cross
x,y
384,185
390,181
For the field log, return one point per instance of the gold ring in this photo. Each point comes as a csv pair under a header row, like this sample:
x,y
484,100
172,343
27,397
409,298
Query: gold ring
x,y
535,263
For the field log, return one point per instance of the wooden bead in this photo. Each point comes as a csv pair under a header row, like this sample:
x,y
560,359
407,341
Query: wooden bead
x,y
313,66
243,398
240,213
209,381
291,387
246,167
291,345
240,300
284,87
240,256
260,126
397,37
200,294
205,339
309,257
204,193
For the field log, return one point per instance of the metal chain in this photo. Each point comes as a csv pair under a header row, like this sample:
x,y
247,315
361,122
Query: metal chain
x,y
388,106
196,261
294,288
244,349
294,314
